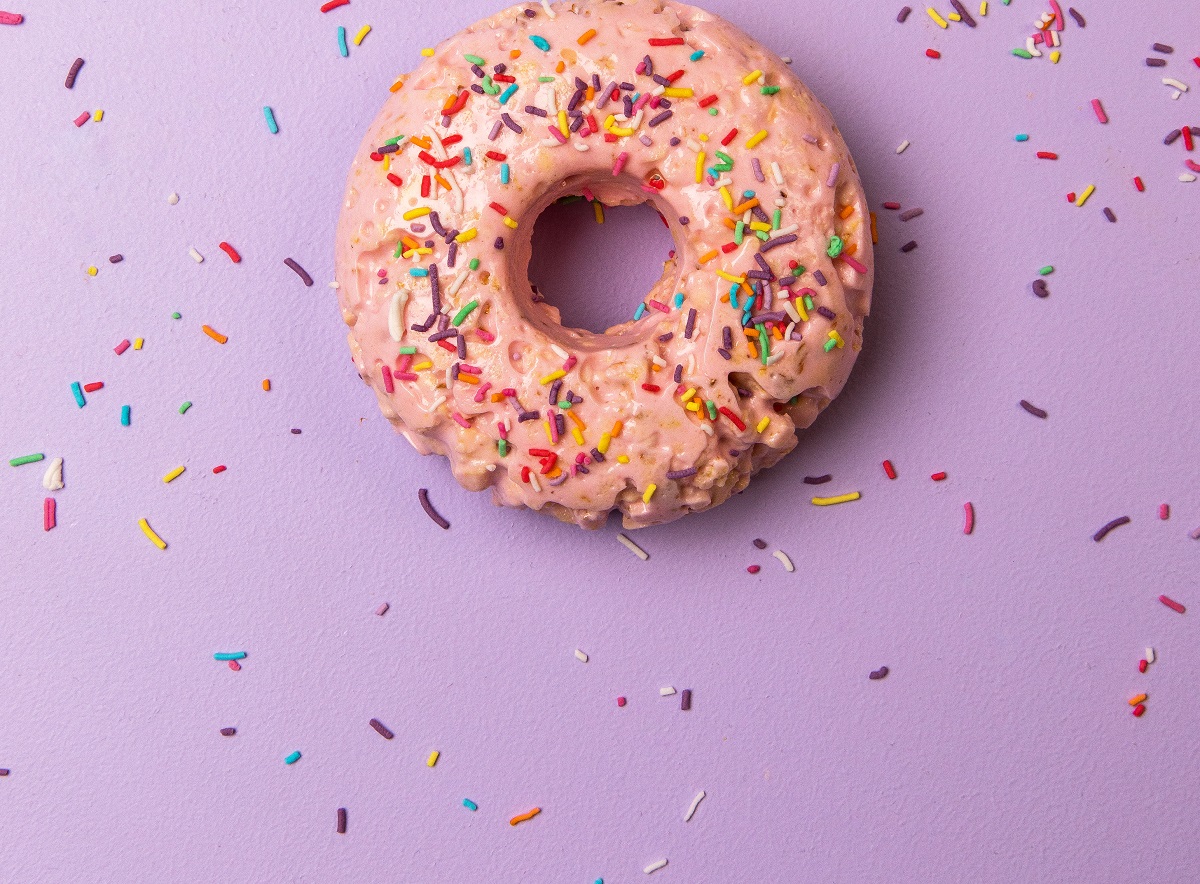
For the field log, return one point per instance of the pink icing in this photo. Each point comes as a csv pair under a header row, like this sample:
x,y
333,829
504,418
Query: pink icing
x,y
515,346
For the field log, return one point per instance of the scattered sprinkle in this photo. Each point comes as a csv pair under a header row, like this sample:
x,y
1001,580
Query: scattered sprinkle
x,y
581,656
685,699
271,124
228,731
840,498
655,866
633,547
784,560
423,495
150,533
1034,410
1172,604
293,758
229,655
26,458
1114,524
381,728
73,73
968,518
214,334
299,271
691,811
341,821
879,673
433,758
528,815
470,805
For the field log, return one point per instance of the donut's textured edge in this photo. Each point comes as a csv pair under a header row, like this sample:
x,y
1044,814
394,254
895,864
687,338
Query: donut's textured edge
x,y
792,391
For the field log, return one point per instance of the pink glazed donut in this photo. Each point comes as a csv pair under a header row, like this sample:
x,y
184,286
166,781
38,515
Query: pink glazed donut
x,y
751,331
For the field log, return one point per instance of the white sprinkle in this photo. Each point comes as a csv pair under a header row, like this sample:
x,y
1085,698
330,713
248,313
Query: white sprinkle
x,y
196,256
655,866
693,145
691,811
52,480
776,172
1175,95
172,199
1031,49
903,146
784,231
533,482
335,285
666,692
550,12
580,146
1171,81
581,656
456,285
396,314
783,557
382,609
1187,177
629,544
1150,655
786,59
560,351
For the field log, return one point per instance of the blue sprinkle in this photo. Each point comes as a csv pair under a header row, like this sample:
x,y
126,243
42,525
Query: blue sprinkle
x,y
342,47
418,271
469,804
78,391
1022,137
697,55
230,655
638,313
733,302
540,42
293,758
271,124
748,194
504,173
678,299
124,415
507,93
466,156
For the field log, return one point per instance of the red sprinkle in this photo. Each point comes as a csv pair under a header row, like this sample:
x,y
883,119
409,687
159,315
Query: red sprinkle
x,y
334,4
938,477
933,53
235,665
49,508
1139,710
754,569
1071,197
425,183
889,469
666,41
1186,131
1046,155
395,179
99,385
1164,509
733,418
1142,664
220,469
707,100
1172,604
231,252
498,208
1137,182
728,138
496,155
450,141
652,388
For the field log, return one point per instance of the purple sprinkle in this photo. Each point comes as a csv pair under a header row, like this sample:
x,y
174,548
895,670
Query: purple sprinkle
x,y
443,322
628,87
685,699
442,335
536,111
661,118
530,13
909,214
773,316
1159,47
462,347
1115,523
295,431
645,140
833,174
758,274
597,456
116,259
757,167
1108,213
879,673
962,11
648,66
796,336
727,338
436,223
904,13
477,89
1034,410
820,278
499,243
628,102
575,99
1079,19
1040,288
1172,136
664,338
299,271
605,95
445,122
554,390
496,127
761,214
684,219
811,139
560,479
782,241
1156,62
426,325
417,227
690,325
826,312
762,262
225,732
528,416
674,142
909,246
681,474
511,123
500,68
725,354
378,726
477,71
387,148
580,468
818,480
596,82
561,423
660,80
678,376
435,288
452,254
577,124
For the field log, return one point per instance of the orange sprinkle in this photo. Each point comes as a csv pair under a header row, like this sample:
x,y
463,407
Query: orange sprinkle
x,y
578,421
874,232
531,814
850,249
514,53
746,206
440,180
750,333
617,428
560,67
421,141
590,94
753,350
266,384
1140,698
468,378
397,86
214,334
585,36
498,397
705,258
846,212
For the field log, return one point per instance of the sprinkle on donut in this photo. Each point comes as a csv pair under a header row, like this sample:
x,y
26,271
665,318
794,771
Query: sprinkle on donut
x,y
751,331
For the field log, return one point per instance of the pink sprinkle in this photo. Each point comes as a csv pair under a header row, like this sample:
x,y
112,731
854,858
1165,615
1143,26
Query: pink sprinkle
x,y
1058,16
403,364
1164,511
501,429
405,376
1037,38
83,118
483,391
553,427
469,369
642,102
658,305
509,391
588,195
461,421
754,569
382,609
569,364
620,701
484,335
49,509
1100,114
853,264
121,347
387,380
235,665
1172,604
969,518
622,159
11,18
554,131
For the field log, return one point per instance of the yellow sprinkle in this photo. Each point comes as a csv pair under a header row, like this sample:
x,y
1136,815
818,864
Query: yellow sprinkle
x,y
730,277
699,167
763,424
954,16
510,222
1140,698
841,498
621,132
708,256
266,384
562,124
585,36
366,29
418,212
605,441
1055,56
387,162
174,474
933,14
1083,197
599,210
688,395
759,225
693,406
983,7
422,366
553,376
649,492
751,77
678,92
727,196
467,235
92,271
609,120
578,435
756,138
433,757
546,427
98,116
420,250
622,458
149,532
428,53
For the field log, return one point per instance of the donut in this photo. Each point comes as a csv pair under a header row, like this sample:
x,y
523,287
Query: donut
x,y
749,334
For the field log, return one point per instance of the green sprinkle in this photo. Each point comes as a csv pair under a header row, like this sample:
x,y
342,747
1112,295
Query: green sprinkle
x,y
835,246
739,232
463,313
474,265
768,90
177,315
489,87
762,234
475,59
808,303
26,458
467,802
545,79
724,157
1047,270
565,404
763,346
799,271
395,140
230,655
183,408
502,444
830,344
1019,53
407,351
540,42
776,218
124,415
293,758
712,408
697,55
399,249
712,111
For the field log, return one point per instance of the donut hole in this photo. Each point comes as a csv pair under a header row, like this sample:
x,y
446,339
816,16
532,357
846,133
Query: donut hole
x,y
595,275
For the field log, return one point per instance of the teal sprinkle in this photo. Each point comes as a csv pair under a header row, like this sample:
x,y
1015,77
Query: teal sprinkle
x,y
467,802
293,758
466,156
271,124
508,93
230,655
184,407
678,300
697,55
504,173
124,415
639,312
1021,137
342,47
475,59
748,194
540,42
78,391
733,301
418,271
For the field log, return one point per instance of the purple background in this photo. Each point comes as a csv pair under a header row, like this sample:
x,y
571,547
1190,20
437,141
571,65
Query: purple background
x,y
1000,747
